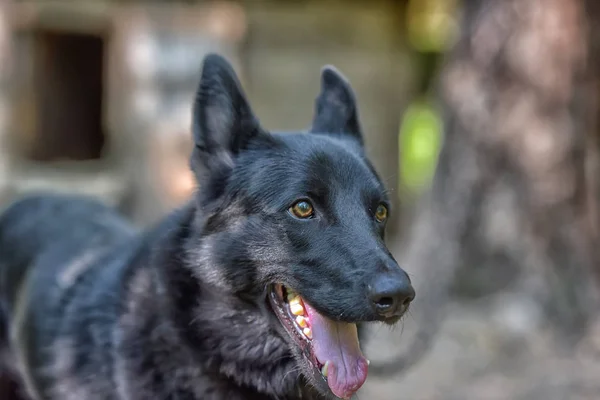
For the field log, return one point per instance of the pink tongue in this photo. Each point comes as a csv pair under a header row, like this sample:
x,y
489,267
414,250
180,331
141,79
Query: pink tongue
x,y
337,342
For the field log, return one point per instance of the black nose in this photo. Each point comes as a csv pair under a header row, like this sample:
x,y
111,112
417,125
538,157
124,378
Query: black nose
x,y
391,294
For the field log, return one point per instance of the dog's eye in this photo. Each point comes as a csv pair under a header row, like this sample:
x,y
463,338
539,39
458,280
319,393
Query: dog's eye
x,y
302,209
381,213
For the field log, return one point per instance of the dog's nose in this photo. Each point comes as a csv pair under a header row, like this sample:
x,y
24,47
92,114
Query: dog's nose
x,y
391,294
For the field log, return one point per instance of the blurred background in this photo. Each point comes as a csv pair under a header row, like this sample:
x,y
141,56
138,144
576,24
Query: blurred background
x,y
480,115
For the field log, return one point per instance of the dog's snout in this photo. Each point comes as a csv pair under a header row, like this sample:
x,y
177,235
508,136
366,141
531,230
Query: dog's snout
x,y
391,294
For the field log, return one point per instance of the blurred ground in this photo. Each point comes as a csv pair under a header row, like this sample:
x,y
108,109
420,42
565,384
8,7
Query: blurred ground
x,y
485,354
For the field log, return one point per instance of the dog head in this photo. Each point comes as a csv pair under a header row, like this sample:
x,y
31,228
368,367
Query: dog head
x,y
296,220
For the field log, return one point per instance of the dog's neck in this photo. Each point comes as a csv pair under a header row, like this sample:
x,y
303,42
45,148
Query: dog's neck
x,y
221,334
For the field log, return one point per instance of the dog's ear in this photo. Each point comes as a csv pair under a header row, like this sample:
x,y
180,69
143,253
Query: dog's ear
x,y
335,108
223,123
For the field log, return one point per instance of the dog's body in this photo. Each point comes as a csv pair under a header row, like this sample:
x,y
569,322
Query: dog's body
x,y
188,310
92,318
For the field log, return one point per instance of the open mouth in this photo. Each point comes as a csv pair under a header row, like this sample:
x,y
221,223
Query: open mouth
x,y
331,347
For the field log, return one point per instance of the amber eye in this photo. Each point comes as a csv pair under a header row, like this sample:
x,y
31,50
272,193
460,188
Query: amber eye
x,y
302,209
381,213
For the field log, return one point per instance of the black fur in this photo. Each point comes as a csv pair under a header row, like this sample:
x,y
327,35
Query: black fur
x,y
95,310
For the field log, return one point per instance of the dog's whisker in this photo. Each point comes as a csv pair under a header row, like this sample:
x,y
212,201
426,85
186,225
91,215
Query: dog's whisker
x,y
408,313
296,369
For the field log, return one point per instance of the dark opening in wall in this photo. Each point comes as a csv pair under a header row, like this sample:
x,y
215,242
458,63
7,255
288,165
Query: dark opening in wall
x,y
68,92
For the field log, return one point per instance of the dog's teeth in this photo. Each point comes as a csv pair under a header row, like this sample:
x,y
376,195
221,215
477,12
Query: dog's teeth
x,y
294,300
307,332
296,309
325,369
301,321
368,362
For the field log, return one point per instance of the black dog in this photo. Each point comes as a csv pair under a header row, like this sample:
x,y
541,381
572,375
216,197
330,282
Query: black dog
x,y
251,291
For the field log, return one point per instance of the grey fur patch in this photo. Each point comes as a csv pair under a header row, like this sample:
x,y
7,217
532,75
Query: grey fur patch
x,y
139,289
18,340
77,267
202,256
137,300
67,384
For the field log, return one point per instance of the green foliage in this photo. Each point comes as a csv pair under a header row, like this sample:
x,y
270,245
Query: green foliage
x,y
420,140
431,24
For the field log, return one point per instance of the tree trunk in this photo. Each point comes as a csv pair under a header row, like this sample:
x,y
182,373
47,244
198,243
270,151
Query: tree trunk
x,y
514,202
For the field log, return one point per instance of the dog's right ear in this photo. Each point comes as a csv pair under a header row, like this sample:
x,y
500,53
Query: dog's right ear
x,y
335,108
223,123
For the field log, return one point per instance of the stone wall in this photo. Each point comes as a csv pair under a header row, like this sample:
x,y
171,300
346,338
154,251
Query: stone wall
x,y
152,64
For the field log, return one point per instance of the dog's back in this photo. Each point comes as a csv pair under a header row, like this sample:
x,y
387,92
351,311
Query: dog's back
x,y
47,244
43,227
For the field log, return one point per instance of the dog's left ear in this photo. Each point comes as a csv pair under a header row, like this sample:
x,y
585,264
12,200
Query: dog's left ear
x,y
223,123
335,108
